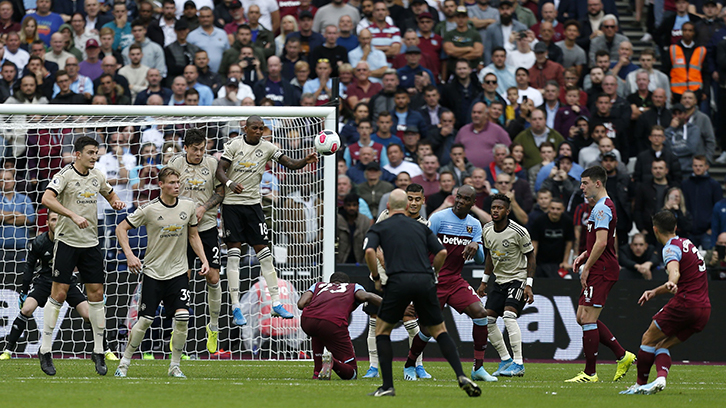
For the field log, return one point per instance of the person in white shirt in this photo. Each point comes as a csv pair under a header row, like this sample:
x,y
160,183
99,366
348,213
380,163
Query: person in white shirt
x,y
396,164
523,88
14,53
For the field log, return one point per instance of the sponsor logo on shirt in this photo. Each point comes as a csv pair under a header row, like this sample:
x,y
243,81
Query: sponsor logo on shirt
x,y
86,197
454,240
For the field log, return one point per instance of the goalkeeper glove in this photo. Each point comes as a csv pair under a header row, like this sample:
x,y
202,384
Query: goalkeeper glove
x,y
21,300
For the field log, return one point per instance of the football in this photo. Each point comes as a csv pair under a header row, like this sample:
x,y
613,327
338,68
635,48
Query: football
x,y
327,142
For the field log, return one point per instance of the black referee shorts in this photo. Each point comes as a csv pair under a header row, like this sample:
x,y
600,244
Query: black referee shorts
x,y
244,224
210,242
404,288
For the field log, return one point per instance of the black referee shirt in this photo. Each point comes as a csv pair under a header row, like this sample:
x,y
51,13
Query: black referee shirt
x,y
406,244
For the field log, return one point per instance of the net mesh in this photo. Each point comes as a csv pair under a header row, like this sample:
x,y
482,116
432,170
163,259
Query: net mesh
x,y
38,146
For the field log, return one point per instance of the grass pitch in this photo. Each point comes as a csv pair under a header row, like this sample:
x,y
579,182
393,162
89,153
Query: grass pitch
x,y
266,384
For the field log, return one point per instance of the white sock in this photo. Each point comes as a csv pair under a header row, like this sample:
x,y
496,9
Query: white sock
x,y
181,328
372,347
515,336
413,329
50,316
497,340
214,295
97,317
233,256
136,336
268,272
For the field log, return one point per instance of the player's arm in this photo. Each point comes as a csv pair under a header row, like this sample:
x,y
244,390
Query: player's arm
x,y
479,258
566,257
601,241
122,235
213,201
305,300
28,268
488,270
361,296
198,248
50,200
298,164
674,274
531,268
221,174
113,199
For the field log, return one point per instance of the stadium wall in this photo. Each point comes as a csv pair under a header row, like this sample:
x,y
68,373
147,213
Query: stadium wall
x,y
549,327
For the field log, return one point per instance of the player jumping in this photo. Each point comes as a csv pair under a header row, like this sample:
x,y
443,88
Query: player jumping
x,y
600,271
511,259
201,186
240,170
685,314
461,235
326,308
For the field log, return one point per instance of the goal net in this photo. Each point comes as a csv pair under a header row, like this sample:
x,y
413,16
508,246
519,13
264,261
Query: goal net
x,y
136,141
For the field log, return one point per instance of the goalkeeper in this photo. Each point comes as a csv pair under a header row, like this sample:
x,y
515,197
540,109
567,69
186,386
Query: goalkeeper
x,y
41,250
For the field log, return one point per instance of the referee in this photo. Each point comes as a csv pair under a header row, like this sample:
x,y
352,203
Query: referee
x,y
406,244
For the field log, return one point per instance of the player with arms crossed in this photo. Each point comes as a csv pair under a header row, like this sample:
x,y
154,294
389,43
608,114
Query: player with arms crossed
x,y
600,271
511,259
415,195
171,223
40,249
199,184
406,246
461,235
240,170
326,308
685,314
73,195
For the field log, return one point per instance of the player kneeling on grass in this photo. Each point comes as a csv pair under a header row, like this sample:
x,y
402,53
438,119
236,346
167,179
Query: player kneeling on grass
x,y
684,315
325,311
171,222
41,249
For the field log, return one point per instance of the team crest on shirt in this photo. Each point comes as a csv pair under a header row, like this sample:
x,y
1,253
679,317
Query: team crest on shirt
x,y
94,182
205,171
600,215
258,153
505,243
183,215
469,229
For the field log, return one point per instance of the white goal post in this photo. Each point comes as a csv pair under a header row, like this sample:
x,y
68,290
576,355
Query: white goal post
x,y
300,207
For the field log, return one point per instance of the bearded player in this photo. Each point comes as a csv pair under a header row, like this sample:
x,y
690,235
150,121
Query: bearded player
x,y
600,271
415,196
326,308
462,236
684,315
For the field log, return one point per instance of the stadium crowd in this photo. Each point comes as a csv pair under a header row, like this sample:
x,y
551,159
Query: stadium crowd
x,y
511,97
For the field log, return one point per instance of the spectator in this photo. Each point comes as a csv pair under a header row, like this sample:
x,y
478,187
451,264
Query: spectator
x,y
178,87
29,33
429,178
610,39
274,87
567,116
48,22
153,54
522,55
321,87
670,31
210,38
135,72
362,90
79,84
356,171
386,37
116,165
531,138
442,135
364,140
309,39
504,186
657,115
552,240
65,95
657,79
396,164
373,188
58,54
28,92
572,54
524,89
18,217
191,97
683,137
560,182
658,150
480,136
206,76
261,36
615,126
640,100
109,66
205,93
639,260
716,264
499,67
618,188
166,23
349,133
79,35
13,52
153,77
252,66
490,95
121,27
7,25
464,42
143,176
547,156
545,70
702,120
435,201
520,185
331,13
551,105
495,32
365,52
383,134
347,37
188,14
179,53
650,197
691,76
95,20
350,232
413,68
404,117
237,15
458,165
107,37
540,208
459,94
554,53
579,135
7,79
329,51
91,67
701,193
114,93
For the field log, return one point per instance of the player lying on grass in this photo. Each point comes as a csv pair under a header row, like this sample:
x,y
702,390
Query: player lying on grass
x,y
171,223
685,314
326,308
41,250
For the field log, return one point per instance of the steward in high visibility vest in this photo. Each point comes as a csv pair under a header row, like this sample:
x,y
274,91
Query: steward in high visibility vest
x,y
686,64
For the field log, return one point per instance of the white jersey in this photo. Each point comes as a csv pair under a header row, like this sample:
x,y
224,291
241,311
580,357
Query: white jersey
x,y
247,165
508,249
198,183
